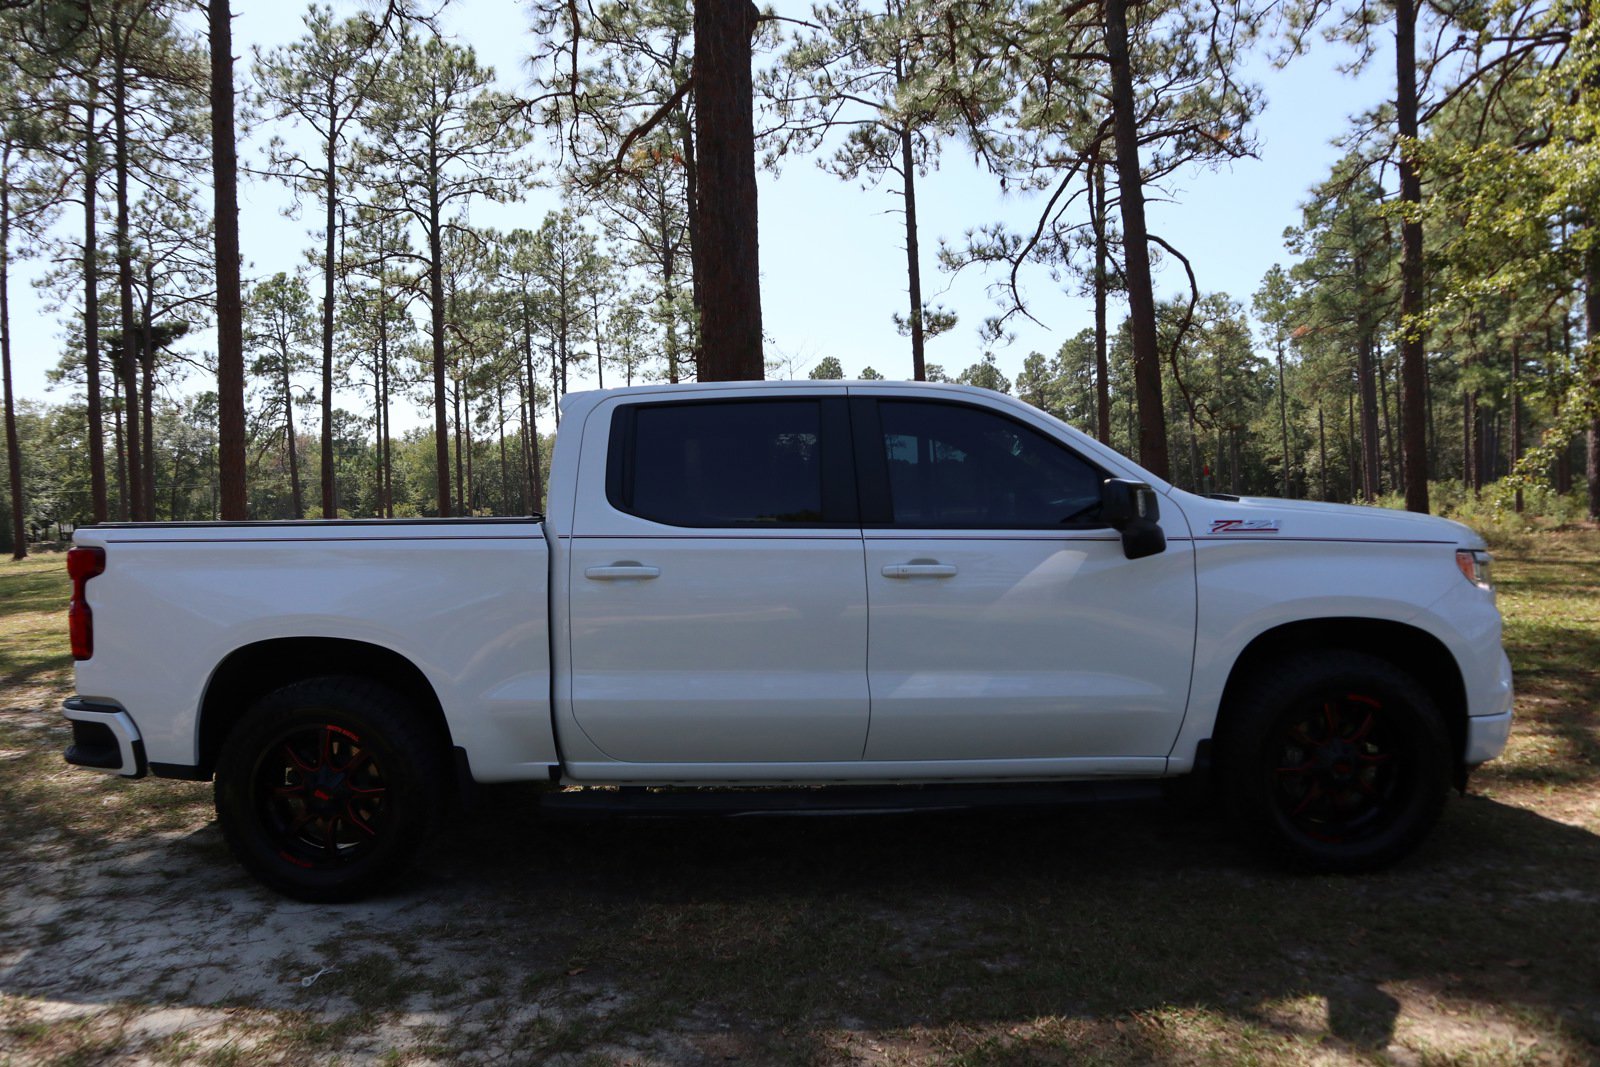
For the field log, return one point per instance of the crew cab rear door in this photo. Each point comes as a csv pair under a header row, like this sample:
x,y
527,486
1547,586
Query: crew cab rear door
x,y
717,603
1006,622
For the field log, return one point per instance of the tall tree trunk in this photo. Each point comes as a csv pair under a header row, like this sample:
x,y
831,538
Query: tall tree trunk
x,y
1413,373
230,311
1591,365
126,361
730,312
599,354
1216,472
1433,427
1283,417
673,346
563,349
1563,471
1399,457
91,304
1136,249
1234,481
525,485
19,540
124,507
1352,446
505,477
1370,486
296,499
147,398
330,222
1194,455
469,494
526,384
1102,364
441,415
919,367
386,481
461,480
1478,450
1388,422
1322,453
691,192
535,475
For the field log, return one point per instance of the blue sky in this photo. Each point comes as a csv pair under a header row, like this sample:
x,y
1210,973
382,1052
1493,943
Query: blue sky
x,y
832,259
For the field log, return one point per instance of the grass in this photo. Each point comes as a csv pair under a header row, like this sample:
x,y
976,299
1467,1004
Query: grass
x,y
33,640
1549,593
1115,936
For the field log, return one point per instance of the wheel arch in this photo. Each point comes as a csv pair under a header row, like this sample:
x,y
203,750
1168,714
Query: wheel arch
x,y
252,671
1408,648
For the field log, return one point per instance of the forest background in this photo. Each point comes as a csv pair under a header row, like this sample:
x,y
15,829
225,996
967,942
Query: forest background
x,y
1303,249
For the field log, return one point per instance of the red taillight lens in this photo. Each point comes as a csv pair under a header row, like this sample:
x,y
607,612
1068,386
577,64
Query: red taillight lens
x,y
82,564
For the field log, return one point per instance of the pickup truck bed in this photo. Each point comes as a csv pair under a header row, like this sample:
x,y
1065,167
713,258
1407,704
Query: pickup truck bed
x,y
204,615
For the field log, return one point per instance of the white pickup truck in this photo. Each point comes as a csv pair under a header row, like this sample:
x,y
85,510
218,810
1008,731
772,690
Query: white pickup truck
x,y
801,584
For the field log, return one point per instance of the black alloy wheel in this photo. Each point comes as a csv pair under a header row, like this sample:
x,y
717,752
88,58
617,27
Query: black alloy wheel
x,y
323,795
1340,768
328,788
1334,760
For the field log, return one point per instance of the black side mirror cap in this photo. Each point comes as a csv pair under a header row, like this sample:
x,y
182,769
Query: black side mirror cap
x,y
1133,510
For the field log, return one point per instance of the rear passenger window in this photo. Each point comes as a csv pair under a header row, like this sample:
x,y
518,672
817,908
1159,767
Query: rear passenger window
x,y
959,467
747,463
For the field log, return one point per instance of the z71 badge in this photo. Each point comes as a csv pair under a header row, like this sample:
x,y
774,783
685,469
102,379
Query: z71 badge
x,y
1244,526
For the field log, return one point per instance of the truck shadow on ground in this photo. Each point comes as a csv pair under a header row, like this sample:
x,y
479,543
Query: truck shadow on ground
x,y
774,940
988,921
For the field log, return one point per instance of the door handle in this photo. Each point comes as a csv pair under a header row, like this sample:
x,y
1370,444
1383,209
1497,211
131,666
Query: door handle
x,y
621,571
919,569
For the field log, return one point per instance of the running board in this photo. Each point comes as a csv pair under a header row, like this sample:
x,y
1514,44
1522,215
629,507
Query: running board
x,y
640,802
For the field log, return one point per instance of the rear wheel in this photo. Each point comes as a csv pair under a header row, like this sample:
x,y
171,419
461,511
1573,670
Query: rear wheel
x,y
329,787
1336,761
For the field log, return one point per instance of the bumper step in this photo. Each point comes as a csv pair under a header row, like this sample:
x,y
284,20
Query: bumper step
x,y
104,738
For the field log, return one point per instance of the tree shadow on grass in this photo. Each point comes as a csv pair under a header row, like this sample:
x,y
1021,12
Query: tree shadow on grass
x,y
1001,937
1558,667
38,591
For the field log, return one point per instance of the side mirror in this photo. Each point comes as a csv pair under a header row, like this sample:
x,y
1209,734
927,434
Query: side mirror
x,y
1132,508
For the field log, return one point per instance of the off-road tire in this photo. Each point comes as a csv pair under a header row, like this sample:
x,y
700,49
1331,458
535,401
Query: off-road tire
x,y
1334,761
328,788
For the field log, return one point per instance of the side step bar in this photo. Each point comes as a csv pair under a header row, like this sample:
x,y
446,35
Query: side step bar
x,y
639,802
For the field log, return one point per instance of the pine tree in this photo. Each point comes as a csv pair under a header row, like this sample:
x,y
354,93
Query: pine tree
x,y
439,138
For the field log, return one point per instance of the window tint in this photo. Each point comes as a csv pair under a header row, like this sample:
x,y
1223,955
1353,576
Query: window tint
x,y
960,467
722,464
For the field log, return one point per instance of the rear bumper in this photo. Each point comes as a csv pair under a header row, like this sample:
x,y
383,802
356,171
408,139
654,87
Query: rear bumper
x,y
104,738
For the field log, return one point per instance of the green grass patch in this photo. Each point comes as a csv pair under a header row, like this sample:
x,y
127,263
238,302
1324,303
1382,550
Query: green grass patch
x,y
33,620
1549,593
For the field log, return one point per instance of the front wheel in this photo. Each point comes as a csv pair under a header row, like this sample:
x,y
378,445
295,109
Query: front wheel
x,y
1336,761
329,787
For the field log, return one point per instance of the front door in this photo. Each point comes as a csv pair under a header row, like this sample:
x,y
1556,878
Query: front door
x,y
1005,621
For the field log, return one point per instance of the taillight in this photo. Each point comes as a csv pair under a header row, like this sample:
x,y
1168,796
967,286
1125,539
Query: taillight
x,y
82,564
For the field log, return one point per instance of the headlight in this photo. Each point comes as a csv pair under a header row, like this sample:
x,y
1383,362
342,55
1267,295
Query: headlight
x,y
1474,564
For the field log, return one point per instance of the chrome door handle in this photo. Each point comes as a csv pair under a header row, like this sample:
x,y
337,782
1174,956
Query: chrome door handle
x,y
621,571
919,570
